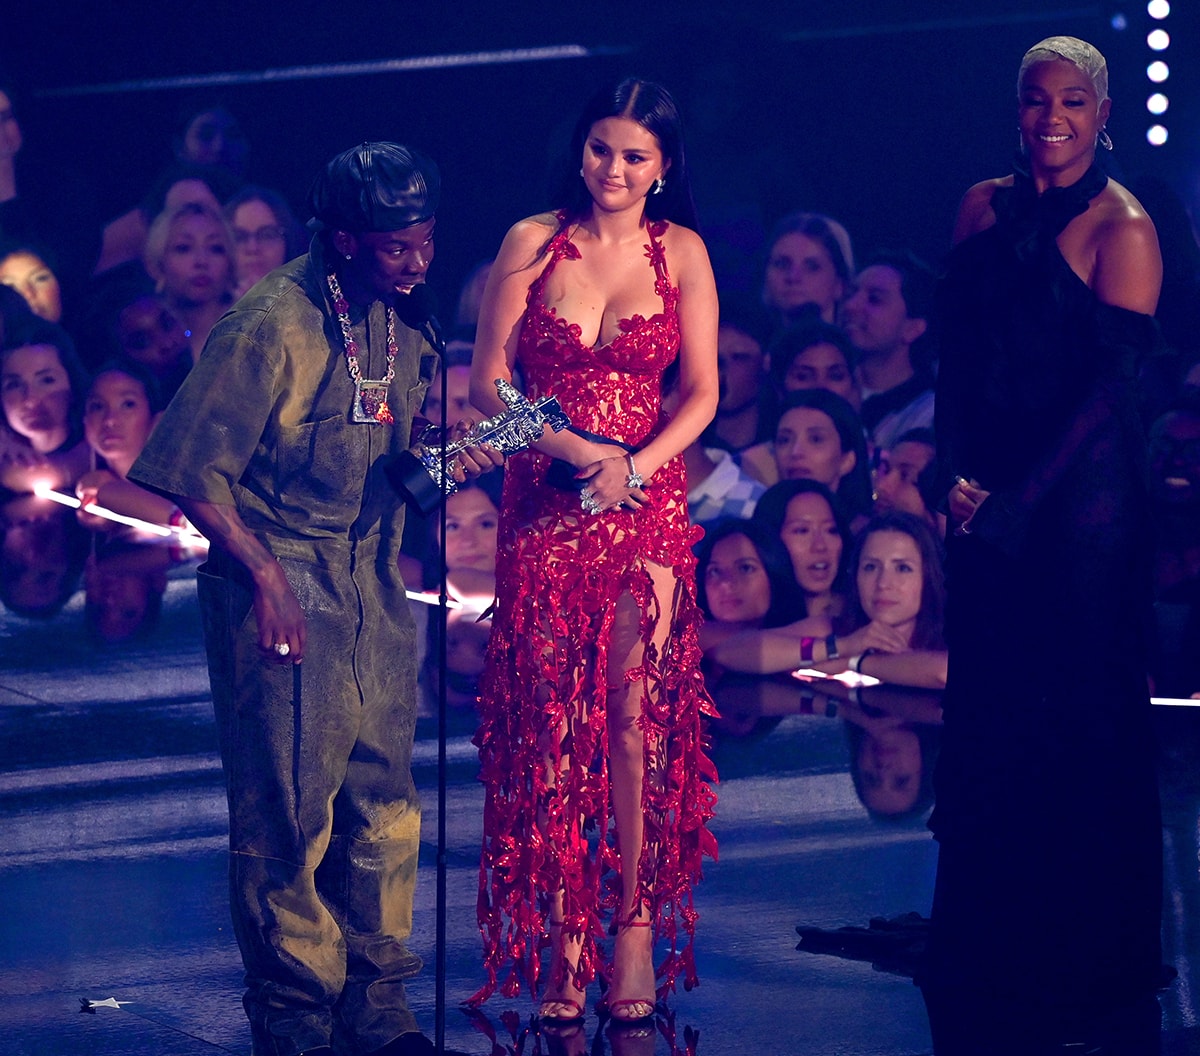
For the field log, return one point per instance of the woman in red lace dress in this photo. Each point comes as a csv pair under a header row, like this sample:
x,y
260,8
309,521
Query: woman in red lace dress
x,y
597,793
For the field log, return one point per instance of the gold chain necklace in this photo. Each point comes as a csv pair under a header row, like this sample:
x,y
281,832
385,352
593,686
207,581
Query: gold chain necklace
x,y
370,394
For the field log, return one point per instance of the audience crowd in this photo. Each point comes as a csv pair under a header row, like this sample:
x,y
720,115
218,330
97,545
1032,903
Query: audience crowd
x,y
821,553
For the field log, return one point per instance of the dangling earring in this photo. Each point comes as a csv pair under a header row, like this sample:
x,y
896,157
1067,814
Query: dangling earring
x,y
659,184
1104,139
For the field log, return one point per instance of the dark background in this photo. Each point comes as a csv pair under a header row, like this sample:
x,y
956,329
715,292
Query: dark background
x,y
879,113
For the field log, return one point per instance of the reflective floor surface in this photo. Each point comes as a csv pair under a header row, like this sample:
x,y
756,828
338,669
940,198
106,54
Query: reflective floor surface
x,y
112,870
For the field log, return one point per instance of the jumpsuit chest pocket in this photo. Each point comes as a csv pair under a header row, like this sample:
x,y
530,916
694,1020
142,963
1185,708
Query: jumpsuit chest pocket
x,y
323,463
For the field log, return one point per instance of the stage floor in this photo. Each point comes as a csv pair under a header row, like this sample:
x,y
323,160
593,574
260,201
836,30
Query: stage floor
x,y
112,874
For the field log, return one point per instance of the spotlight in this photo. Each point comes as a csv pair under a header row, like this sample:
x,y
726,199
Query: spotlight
x,y
1157,40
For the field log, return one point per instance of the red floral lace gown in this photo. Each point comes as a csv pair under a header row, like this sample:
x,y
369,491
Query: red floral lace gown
x,y
560,573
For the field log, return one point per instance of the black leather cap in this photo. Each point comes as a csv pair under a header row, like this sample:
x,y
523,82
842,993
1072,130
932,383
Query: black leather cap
x,y
375,187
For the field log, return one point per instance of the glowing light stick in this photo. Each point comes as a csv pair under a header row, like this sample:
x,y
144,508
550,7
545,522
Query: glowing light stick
x,y
186,536
431,599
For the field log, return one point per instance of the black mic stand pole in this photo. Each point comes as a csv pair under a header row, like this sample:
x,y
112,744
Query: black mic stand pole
x,y
411,479
439,1006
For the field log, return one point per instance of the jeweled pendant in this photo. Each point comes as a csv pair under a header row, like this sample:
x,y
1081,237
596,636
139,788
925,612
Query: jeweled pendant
x,y
370,402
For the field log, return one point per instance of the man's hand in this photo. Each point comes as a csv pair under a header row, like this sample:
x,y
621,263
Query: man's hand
x,y
282,632
281,626
964,499
472,461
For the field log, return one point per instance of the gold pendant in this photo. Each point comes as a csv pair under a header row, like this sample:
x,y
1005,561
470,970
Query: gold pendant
x,y
370,402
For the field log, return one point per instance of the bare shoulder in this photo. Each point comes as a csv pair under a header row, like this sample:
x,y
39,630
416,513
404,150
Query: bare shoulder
x,y
1128,270
975,211
533,231
1120,215
683,239
525,242
686,251
539,225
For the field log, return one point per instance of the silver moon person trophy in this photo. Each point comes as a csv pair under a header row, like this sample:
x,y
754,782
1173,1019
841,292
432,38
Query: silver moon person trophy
x,y
417,475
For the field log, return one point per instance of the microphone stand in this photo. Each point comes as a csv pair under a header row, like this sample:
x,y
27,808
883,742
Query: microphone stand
x,y
434,335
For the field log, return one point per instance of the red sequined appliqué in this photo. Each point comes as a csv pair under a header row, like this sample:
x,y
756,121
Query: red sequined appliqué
x,y
560,576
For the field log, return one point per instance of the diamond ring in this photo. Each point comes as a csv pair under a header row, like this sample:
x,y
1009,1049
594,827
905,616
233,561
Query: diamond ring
x,y
282,648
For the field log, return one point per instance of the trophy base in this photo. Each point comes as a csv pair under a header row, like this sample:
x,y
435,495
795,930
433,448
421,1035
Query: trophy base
x,y
412,482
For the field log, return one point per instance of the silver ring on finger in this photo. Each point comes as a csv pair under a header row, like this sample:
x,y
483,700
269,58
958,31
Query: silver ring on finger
x,y
282,648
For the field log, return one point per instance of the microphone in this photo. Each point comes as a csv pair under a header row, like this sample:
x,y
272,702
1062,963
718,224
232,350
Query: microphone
x,y
417,309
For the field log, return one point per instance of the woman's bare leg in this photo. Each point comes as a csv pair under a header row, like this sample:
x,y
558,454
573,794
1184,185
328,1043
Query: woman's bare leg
x,y
562,998
632,990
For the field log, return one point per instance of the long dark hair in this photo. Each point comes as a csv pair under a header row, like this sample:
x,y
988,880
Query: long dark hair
x,y
15,317
652,107
929,630
929,741
793,341
771,512
787,600
40,332
855,487
136,372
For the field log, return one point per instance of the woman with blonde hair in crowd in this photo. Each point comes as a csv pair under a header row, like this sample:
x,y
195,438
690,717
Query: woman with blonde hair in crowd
x,y
190,256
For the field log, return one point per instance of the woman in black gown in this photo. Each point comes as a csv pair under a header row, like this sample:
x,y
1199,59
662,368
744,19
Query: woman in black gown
x,y
1046,912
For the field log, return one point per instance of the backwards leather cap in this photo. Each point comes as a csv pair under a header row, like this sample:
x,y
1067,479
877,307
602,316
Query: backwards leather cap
x,y
375,187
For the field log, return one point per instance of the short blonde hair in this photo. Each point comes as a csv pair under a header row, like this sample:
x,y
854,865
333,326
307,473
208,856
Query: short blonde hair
x,y
156,240
1078,52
